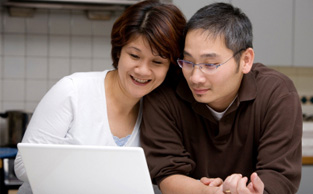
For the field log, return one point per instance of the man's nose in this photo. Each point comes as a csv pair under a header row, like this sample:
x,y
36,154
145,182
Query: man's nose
x,y
197,75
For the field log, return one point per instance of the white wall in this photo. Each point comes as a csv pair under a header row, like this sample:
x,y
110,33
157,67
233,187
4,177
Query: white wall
x,y
36,52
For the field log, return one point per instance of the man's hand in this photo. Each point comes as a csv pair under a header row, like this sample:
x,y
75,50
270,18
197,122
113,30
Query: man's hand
x,y
256,185
236,184
215,182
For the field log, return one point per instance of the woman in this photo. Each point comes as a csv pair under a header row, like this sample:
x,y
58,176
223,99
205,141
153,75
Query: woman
x,y
104,108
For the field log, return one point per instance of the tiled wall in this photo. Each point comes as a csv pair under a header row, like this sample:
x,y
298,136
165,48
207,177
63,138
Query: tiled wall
x,y
36,52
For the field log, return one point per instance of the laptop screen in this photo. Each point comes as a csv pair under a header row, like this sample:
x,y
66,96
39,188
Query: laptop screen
x,y
85,169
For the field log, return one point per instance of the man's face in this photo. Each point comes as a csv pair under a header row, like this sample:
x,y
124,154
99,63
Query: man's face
x,y
218,88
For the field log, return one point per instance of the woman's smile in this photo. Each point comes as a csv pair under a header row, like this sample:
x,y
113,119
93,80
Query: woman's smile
x,y
140,81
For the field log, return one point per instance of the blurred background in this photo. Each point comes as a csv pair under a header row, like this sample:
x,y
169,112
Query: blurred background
x,y
41,41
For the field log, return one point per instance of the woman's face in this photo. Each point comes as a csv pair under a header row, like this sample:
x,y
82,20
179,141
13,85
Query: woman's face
x,y
140,69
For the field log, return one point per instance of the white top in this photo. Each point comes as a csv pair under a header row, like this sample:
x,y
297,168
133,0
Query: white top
x,y
219,115
74,111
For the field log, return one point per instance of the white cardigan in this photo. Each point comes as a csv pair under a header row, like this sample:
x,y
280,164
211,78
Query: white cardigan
x,y
74,111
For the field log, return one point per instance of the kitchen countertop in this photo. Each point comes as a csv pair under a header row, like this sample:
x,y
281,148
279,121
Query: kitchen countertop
x,y
307,160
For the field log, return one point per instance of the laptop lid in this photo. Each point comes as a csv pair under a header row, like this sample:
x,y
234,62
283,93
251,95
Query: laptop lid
x,y
75,169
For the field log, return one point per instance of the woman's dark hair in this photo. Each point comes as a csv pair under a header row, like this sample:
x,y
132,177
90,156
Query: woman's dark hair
x,y
162,25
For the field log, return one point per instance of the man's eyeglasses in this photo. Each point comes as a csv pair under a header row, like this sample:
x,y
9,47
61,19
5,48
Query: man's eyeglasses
x,y
204,67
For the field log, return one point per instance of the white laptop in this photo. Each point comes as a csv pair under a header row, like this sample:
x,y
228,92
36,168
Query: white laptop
x,y
79,169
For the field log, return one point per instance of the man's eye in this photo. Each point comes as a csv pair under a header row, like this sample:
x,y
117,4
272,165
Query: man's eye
x,y
210,66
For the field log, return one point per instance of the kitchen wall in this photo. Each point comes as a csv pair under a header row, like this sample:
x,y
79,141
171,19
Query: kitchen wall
x,y
37,51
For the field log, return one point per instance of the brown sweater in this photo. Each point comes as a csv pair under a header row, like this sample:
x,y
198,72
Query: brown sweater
x,y
260,132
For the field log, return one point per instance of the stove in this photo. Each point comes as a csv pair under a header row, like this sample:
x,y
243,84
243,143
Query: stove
x,y
307,117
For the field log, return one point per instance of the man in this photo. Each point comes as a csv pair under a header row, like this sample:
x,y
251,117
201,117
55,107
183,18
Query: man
x,y
228,118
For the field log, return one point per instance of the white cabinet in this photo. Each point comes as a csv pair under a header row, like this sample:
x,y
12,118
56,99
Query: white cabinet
x,y
189,7
272,23
303,47
283,29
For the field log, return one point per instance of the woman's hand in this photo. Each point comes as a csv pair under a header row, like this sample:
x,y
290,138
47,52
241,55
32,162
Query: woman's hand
x,y
215,182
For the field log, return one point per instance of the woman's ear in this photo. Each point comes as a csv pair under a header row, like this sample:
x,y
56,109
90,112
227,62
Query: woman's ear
x,y
247,59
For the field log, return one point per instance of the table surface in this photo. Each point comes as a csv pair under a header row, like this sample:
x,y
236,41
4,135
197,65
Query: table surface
x,y
307,160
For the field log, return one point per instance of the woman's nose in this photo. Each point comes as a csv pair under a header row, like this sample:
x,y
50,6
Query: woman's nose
x,y
143,68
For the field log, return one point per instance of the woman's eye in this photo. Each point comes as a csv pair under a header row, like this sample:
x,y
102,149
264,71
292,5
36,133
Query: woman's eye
x,y
157,62
134,56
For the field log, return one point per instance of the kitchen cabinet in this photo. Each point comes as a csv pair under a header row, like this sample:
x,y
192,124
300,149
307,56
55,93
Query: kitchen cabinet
x,y
282,29
303,47
190,7
272,23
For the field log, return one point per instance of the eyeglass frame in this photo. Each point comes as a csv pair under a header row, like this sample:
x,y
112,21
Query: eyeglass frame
x,y
207,64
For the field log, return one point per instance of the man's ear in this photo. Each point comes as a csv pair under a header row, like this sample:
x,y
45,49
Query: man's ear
x,y
247,59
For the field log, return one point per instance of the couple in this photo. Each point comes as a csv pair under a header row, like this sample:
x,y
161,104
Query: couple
x,y
220,124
